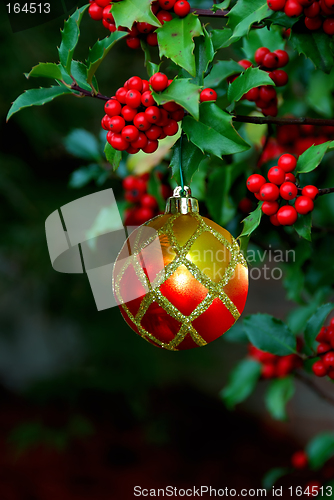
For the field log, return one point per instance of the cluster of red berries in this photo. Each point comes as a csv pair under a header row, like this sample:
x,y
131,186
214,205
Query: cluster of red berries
x,y
101,10
282,184
275,366
317,13
134,120
325,365
144,205
265,96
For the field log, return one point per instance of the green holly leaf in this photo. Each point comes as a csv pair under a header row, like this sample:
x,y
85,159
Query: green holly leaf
x,y
246,13
279,393
252,221
319,93
84,175
79,73
176,41
214,133
221,6
315,323
182,91
99,51
270,38
221,38
204,54
82,144
312,157
220,71
47,70
273,475
113,156
70,37
281,19
128,12
242,382
191,159
270,334
303,226
316,46
320,450
236,334
252,77
37,97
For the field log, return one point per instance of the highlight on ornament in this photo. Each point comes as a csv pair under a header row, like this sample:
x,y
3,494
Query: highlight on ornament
x,y
200,291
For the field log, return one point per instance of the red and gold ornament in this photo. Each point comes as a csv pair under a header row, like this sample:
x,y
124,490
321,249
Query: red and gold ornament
x,y
195,292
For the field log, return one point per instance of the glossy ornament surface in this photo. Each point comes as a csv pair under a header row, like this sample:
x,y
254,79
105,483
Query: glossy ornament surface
x,y
180,279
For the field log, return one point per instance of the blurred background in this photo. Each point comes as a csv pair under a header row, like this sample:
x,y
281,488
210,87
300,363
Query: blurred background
x,y
88,409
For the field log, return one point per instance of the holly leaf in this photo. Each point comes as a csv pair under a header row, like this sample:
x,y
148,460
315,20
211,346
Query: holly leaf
x,y
47,70
99,51
82,144
316,46
273,475
319,93
252,77
214,133
176,41
270,334
221,6
79,73
191,159
320,450
252,221
70,37
204,54
242,382
312,157
246,13
182,91
37,97
279,393
315,323
128,12
303,226
281,19
220,71
221,38
84,175
113,156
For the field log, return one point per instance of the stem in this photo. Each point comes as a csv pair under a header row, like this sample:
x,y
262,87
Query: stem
x,y
311,385
210,13
262,120
87,93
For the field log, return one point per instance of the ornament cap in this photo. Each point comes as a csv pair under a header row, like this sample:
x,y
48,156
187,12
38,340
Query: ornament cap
x,y
181,203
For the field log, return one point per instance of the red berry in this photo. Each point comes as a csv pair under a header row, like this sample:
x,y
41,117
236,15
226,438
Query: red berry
x,y
143,214
146,86
271,110
107,15
252,94
130,133
164,118
299,460
319,369
171,106
289,177
95,12
276,175
153,132
285,365
287,215
323,347
327,11
313,10
255,182
283,57
267,93
328,26
153,114
270,60
260,53
171,128
141,142
268,370
133,98
269,192
128,113
293,8
288,191
147,99
148,201
145,27
103,3
322,335
112,107
164,16
276,4
118,142
245,63
208,95
178,115
182,8
133,42
313,23
287,162
121,95
159,82
116,124
151,146
132,151
304,205
328,360
105,122
152,39
135,83
167,4
270,207
274,220
129,182
329,3
279,77
134,31
140,121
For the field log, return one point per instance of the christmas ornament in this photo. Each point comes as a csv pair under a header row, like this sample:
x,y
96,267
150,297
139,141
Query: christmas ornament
x,y
190,288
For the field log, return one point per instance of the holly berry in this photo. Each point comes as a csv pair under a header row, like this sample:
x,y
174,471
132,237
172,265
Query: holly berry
x,y
116,123
283,57
255,182
159,82
135,83
287,162
260,53
310,191
182,8
130,133
112,107
95,12
290,177
151,146
319,369
141,122
208,95
167,4
133,98
276,4
279,77
304,205
328,26
299,460
164,16
270,207
276,175
128,113
270,60
245,63
288,191
287,215
313,23
133,42
153,114
148,201
293,8
117,141
269,192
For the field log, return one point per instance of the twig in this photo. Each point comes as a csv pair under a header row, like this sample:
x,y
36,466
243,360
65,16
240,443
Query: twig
x,y
210,13
311,385
87,93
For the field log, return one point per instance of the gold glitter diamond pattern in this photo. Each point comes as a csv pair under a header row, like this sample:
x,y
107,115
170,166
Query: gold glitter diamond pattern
x,y
215,290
